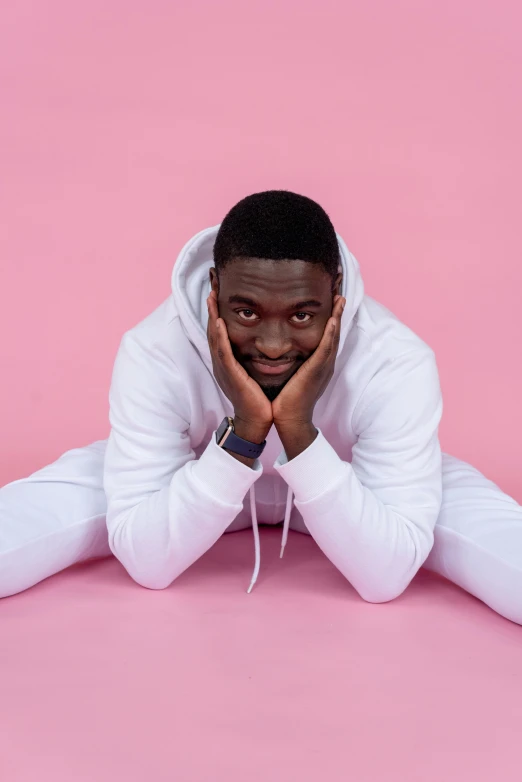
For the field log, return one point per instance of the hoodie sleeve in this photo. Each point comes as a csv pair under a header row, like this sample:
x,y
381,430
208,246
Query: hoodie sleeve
x,y
165,508
374,517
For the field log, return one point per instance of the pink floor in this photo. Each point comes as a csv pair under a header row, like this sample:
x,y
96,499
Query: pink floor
x,y
301,680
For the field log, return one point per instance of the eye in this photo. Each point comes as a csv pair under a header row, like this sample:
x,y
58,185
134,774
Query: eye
x,y
245,314
306,318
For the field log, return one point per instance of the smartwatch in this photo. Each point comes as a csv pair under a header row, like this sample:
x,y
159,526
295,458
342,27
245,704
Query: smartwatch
x,y
227,438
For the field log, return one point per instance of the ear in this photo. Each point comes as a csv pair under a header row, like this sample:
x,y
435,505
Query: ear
x,y
214,281
337,286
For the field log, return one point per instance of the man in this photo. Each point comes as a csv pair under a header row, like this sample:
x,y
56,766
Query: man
x,y
270,373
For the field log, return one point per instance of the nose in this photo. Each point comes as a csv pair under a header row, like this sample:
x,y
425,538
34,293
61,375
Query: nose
x,y
273,340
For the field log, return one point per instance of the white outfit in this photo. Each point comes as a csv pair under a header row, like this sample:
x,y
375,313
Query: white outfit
x,y
373,489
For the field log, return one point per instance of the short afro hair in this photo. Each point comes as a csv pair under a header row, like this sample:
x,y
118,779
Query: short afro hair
x,y
277,225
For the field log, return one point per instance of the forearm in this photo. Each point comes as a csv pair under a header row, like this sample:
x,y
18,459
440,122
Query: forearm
x,y
377,548
157,535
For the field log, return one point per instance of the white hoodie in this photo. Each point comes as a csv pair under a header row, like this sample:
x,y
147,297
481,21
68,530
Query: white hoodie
x,y
368,489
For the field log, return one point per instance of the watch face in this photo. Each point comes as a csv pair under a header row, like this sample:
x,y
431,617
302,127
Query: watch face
x,y
223,426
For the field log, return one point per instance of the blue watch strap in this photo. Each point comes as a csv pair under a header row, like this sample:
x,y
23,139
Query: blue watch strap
x,y
228,439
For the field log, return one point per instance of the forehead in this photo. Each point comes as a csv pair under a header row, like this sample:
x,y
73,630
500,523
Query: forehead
x,y
266,277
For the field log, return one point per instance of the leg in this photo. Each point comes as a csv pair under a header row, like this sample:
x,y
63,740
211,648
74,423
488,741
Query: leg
x,y
53,519
478,539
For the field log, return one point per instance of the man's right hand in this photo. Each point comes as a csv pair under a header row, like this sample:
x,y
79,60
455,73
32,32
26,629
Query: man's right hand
x,y
252,410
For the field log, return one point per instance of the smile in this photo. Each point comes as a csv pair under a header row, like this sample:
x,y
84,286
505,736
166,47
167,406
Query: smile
x,y
272,368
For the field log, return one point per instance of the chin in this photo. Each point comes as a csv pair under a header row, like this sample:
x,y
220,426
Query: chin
x,y
272,391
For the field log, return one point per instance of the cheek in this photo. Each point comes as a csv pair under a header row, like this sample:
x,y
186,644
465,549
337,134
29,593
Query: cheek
x,y
237,334
308,339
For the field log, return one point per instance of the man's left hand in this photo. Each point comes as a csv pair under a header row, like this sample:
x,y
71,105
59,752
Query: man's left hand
x,y
294,406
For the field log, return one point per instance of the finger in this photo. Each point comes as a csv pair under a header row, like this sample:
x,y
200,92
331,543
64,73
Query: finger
x,y
327,349
338,307
223,347
213,310
212,327
218,335
212,305
332,331
332,338
337,316
319,359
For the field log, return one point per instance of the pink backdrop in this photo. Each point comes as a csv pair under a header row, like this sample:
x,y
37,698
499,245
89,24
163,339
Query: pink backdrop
x,y
128,126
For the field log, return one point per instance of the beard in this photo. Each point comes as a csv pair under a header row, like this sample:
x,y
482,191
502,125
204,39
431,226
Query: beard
x,y
272,391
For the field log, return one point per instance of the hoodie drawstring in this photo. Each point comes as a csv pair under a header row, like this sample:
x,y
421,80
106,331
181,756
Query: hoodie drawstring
x,y
255,527
286,525
257,545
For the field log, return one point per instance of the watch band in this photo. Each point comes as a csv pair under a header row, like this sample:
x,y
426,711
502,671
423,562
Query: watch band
x,y
227,438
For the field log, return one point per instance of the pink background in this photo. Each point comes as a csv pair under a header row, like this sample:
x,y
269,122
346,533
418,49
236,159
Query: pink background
x,y
301,681
128,126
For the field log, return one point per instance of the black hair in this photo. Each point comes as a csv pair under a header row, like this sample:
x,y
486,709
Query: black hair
x,y
277,225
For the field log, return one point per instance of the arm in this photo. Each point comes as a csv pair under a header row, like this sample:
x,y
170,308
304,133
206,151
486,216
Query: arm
x,y
165,507
374,517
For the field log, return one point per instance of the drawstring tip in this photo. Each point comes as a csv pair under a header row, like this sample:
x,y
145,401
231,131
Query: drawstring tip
x,y
250,588
282,552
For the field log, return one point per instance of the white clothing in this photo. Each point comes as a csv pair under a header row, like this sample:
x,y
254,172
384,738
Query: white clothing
x,y
56,518
373,489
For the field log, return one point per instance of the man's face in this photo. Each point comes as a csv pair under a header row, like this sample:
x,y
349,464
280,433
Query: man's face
x,y
275,313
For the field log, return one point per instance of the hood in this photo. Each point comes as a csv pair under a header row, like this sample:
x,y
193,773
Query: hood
x,y
191,287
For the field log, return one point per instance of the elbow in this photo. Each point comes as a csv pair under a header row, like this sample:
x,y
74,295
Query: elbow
x,y
146,573
377,593
150,580
150,567
397,572
388,587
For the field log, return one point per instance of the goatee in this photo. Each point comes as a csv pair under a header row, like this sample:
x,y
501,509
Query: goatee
x,y
272,391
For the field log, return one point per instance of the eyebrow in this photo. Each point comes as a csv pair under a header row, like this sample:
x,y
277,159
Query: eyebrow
x,y
299,305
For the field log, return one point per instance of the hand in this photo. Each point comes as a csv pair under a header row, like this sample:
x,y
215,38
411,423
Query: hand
x,y
252,409
294,405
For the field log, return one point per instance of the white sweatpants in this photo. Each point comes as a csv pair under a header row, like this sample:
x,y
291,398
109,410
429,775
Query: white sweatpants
x,y
56,518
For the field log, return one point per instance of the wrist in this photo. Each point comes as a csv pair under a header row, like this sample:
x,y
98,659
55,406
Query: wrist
x,y
296,436
291,426
253,431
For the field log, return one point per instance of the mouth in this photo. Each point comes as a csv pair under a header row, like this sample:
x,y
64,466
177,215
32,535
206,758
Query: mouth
x,y
272,367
